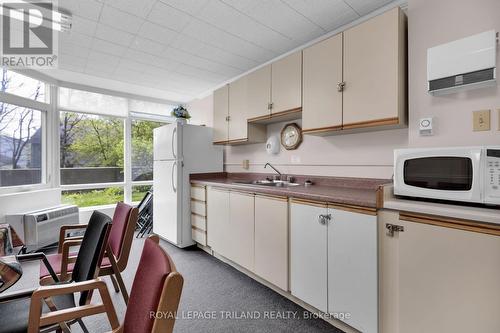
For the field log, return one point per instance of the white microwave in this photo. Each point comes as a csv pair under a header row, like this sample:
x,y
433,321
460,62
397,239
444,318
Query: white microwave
x,y
467,174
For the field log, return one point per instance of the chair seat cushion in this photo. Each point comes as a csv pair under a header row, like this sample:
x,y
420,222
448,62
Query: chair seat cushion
x,y
14,315
55,261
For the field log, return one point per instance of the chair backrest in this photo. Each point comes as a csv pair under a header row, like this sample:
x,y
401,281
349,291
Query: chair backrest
x,y
157,287
122,233
91,250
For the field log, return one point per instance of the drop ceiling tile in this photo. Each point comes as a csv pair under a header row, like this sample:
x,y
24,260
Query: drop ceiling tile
x,y
288,21
139,8
73,49
98,69
192,7
113,35
188,44
225,41
89,9
157,33
121,20
229,20
149,59
75,38
108,47
329,14
147,45
71,60
363,7
83,26
103,58
169,17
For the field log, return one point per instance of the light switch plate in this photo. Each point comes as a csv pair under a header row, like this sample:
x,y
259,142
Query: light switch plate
x,y
498,119
246,164
481,120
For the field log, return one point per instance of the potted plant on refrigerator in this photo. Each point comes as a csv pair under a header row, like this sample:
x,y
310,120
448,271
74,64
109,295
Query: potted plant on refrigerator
x,y
181,113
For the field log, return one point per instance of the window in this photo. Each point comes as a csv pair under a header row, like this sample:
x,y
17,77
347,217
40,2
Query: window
x,y
138,192
24,86
21,145
93,197
142,149
91,149
85,101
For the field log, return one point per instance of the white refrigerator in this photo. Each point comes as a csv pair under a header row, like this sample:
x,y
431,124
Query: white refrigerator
x,y
179,150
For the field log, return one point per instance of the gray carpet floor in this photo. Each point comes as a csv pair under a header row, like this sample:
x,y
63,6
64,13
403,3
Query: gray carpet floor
x,y
211,285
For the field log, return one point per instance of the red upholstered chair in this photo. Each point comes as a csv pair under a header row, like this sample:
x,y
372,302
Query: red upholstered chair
x,y
117,250
157,288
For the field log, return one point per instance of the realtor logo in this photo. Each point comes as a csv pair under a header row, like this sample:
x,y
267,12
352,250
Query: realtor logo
x,y
28,34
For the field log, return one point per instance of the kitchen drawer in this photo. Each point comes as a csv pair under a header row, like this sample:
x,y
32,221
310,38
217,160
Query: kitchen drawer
x,y
198,193
199,236
200,222
198,207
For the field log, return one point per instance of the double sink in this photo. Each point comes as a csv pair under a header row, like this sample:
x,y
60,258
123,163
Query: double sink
x,y
266,182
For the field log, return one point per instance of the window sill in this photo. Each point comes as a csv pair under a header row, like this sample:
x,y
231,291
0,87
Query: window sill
x,y
92,208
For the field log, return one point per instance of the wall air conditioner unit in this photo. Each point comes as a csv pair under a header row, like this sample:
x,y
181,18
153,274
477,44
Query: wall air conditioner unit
x,y
41,228
465,63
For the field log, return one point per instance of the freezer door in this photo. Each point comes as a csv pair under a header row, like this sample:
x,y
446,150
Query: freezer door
x,y
167,203
167,142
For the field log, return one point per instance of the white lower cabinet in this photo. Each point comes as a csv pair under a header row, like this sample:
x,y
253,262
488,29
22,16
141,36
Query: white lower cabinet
x,y
308,254
271,240
352,268
333,262
218,220
241,229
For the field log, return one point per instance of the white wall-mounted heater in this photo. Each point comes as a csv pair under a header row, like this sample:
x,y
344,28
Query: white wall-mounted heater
x,y
464,63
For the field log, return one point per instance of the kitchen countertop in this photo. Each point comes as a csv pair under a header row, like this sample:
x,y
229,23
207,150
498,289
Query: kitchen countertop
x,y
363,192
471,213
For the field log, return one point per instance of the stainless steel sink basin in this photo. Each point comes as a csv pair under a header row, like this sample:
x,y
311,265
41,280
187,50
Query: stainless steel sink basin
x,y
270,183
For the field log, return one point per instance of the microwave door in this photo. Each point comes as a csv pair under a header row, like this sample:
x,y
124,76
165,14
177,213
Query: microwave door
x,y
447,175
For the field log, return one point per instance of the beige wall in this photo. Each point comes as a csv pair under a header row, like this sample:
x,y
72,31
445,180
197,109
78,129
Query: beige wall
x,y
201,111
430,22
433,22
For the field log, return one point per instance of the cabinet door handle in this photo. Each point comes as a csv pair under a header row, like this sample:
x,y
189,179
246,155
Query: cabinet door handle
x,y
340,86
323,219
393,228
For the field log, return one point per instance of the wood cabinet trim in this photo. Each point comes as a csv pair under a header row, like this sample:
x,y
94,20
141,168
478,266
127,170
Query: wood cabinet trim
x,y
354,209
276,116
220,189
270,196
197,185
220,142
372,123
322,129
198,200
309,202
247,193
452,223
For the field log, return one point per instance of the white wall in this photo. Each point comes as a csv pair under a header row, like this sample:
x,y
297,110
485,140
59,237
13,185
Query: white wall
x,y
201,111
371,154
28,201
432,23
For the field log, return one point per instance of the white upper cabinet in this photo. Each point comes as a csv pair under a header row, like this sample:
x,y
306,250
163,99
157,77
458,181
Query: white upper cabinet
x,y
259,93
375,71
322,103
286,83
221,112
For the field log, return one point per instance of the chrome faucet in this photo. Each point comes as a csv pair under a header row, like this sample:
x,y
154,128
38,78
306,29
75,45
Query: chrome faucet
x,y
279,173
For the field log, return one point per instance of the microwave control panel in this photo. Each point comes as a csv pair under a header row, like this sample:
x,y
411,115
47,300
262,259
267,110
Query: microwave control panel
x,y
492,176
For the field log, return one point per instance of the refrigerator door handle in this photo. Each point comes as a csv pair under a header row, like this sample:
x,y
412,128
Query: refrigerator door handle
x,y
173,177
173,146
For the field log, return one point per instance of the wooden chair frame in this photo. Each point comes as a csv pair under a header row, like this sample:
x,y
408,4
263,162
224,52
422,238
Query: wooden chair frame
x,y
117,266
168,303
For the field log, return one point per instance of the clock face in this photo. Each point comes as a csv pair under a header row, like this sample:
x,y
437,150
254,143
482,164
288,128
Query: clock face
x,y
291,136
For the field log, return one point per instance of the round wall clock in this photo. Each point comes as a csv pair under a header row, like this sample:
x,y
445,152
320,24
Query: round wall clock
x,y
291,136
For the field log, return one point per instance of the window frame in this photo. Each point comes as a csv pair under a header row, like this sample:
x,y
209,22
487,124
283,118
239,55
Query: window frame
x,y
46,109
51,172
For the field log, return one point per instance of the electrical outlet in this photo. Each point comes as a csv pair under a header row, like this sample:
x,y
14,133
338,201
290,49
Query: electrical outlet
x,y
498,119
246,164
481,120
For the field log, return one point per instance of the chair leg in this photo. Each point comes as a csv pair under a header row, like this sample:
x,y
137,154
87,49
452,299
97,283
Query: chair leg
x,y
82,325
123,289
115,284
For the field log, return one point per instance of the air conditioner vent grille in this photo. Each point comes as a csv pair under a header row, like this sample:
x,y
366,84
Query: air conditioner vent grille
x,y
462,80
